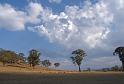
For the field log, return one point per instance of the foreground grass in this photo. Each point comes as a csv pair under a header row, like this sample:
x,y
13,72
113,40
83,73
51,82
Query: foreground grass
x,y
62,78
27,75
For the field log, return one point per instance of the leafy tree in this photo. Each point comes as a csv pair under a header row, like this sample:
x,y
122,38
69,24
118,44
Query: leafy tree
x,y
46,63
56,64
2,59
14,57
33,57
7,56
120,52
21,58
78,57
115,68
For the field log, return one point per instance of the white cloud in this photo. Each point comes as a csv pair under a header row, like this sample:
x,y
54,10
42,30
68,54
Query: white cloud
x,y
13,19
115,37
34,10
10,18
92,25
115,4
55,1
80,26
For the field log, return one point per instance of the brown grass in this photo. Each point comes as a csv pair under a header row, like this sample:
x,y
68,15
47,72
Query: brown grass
x,y
10,68
23,74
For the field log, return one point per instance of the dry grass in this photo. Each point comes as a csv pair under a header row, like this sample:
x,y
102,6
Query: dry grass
x,y
10,68
77,78
23,74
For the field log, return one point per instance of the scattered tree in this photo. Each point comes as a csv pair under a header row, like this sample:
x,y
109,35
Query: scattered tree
x,y
56,64
120,52
46,63
78,57
115,68
21,58
33,57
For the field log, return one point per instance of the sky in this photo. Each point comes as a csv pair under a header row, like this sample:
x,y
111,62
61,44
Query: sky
x,y
57,27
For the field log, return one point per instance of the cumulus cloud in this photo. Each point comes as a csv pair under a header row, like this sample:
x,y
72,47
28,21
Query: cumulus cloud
x,y
55,1
34,10
10,18
13,19
115,37
93,25
81,26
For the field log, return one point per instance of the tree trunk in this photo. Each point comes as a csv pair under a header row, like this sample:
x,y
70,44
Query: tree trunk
x,y
123,66
4,64
33,66
79,69
30,64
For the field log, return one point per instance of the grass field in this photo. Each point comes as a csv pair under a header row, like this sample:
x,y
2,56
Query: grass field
x,y
73,78
26,75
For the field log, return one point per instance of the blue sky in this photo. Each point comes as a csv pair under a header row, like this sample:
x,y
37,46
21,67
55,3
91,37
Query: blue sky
x,y
56,27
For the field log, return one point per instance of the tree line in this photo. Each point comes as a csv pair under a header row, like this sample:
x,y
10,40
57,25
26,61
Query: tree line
x,y
33,59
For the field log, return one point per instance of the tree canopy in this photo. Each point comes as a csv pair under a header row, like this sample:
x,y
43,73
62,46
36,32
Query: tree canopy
x,y
33,57
78,57
46,63
56,64
120,52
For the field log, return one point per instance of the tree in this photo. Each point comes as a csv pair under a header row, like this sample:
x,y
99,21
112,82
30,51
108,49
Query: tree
x,y
21,58
120,52
2,56
7,56
78,57
56,64
89,69
115,68
46,63
33,57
